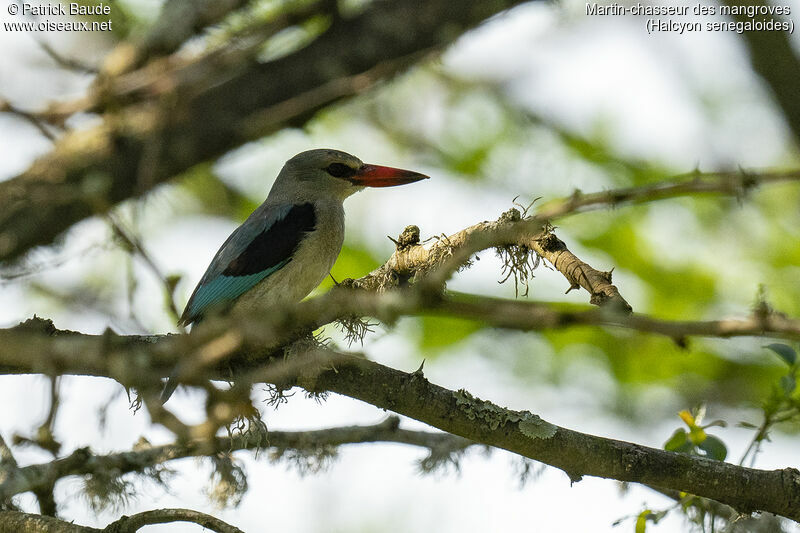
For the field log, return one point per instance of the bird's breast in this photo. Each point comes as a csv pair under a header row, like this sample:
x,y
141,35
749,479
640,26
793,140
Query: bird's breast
x,y
310,263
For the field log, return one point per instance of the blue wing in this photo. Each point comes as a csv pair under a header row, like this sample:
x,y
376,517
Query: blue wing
x,y
261,246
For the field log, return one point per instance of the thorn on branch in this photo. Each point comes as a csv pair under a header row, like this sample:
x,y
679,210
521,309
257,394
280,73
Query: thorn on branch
x,y
392,423
761,309
418,372
681,342
347,283
572,287
747,181
574,477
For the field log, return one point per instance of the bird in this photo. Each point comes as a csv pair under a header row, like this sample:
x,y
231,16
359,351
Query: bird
x,y
289,244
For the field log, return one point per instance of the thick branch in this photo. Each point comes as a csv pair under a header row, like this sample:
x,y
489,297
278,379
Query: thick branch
x,y
455,412
180,20
578,454
17,522
37,347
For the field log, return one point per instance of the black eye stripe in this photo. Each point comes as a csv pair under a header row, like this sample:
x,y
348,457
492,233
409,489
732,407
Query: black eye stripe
x,y
339,170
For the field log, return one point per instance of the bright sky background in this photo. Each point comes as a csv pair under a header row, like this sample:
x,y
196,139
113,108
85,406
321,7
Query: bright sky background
x,y
578,71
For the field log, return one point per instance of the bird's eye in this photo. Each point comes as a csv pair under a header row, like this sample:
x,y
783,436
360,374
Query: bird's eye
x,y
339,170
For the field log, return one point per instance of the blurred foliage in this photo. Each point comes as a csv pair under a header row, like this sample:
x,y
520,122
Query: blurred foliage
x,y
781,407
439,332
125,19
215,196
354,261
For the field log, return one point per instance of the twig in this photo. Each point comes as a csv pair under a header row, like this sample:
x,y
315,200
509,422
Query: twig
x,y
131,524
135,245
32,118
65,62
7,459
728,183
82,462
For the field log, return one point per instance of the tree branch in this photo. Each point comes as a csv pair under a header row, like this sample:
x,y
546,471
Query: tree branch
x,y
737,184
83,462
131,524
432,266
577,454
181,19
17,522
136,359
36,346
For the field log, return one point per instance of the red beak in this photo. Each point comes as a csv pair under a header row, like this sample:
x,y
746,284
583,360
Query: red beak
x,y
376,176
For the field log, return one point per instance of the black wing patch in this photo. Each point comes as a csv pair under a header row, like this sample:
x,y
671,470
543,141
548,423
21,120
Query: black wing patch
x,y
276,244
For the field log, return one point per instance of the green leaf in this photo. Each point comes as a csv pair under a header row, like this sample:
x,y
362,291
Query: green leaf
x,y
788,384
678,442
784,351
714,448
747,425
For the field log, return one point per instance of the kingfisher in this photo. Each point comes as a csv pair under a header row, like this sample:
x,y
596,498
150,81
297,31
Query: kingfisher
x,y
288,245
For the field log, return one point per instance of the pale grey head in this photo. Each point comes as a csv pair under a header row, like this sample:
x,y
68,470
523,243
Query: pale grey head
x,y
327,174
